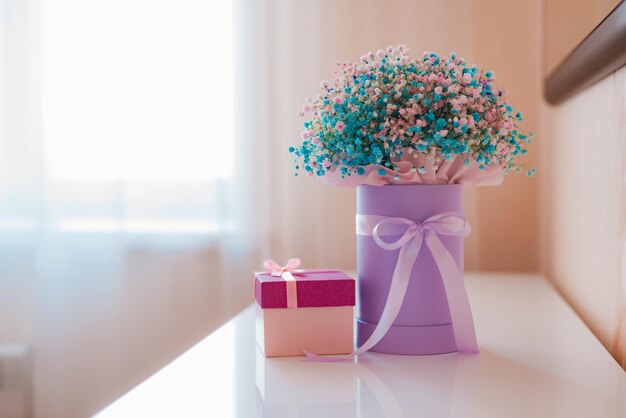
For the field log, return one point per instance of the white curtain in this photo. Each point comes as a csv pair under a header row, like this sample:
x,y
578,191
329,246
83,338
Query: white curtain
x,y
119,117
132,192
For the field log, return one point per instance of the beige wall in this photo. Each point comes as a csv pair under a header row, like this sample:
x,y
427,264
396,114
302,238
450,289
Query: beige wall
x,y
585,207
506,38
315,221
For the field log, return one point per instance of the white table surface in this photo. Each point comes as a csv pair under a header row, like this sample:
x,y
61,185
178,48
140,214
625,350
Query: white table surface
x,y
537,359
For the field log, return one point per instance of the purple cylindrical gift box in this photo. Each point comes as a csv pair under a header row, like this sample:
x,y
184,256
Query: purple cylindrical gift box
x,y
423,325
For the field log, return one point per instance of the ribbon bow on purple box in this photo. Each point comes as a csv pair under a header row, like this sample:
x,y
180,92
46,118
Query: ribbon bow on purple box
x,y
413,235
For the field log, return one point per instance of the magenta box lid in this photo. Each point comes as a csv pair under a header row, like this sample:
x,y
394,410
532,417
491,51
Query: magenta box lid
x,y
314,288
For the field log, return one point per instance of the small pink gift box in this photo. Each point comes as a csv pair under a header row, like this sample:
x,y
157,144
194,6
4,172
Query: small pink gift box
x,y
298,309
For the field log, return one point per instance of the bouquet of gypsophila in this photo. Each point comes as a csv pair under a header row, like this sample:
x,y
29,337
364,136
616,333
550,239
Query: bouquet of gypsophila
x,y
396,119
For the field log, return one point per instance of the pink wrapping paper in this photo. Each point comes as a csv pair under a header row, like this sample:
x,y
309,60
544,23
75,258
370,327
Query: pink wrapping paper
x,y
453,171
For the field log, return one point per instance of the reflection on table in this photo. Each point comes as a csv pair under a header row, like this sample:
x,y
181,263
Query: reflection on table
x,y
537,359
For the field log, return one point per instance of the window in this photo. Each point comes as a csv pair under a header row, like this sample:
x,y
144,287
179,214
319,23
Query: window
x,y
137,105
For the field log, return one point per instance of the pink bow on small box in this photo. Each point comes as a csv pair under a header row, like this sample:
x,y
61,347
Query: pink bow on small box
x,y
285,272
276,270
